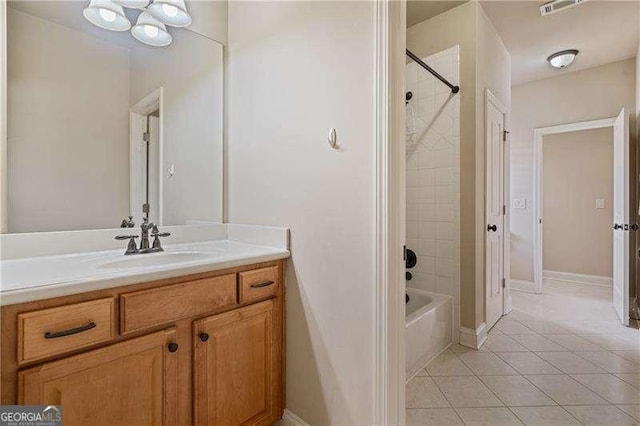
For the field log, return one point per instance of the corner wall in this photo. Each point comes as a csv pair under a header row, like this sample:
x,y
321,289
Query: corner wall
x,y
296,69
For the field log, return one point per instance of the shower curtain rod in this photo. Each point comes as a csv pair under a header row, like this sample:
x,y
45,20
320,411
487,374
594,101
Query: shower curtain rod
x,y
454,89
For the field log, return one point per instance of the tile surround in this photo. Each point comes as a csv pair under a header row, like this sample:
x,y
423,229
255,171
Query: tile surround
x,y
432,177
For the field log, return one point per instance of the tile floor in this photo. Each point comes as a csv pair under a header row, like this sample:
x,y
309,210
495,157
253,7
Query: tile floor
x,y
558,358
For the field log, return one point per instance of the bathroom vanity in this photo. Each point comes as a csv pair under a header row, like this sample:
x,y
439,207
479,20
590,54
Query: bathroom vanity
x,y
204,345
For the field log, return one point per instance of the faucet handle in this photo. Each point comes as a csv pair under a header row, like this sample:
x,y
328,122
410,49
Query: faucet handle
x,y
156,232
126,237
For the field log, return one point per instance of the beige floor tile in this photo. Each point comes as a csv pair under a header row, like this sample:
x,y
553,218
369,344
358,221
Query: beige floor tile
x,y
516,391
448,364
460,349
615,342
631,378
544,416
574,343
633,356
519,315
503,343
508,326
467,391
564,390
421,373
432,416
632,410
570,363
528,363
545,327
610,387
601,415
610,362
536,342
422,392
488,416
486,364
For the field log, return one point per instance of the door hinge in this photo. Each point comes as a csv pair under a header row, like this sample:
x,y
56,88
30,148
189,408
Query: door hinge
x,y
504,209
404,253
504,282
504,135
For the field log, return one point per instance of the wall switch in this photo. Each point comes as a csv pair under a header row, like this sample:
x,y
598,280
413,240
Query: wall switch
x,y
600,203
519,203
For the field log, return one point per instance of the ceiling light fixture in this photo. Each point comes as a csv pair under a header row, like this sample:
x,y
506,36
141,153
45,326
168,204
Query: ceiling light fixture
x,y
132,4
563,58
150,31
107,15
170,12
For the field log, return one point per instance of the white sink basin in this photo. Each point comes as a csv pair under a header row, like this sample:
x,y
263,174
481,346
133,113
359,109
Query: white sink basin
x,y
156,259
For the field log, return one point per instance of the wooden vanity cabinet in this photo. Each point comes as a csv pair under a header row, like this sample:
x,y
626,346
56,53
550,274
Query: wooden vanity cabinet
x,y
170,357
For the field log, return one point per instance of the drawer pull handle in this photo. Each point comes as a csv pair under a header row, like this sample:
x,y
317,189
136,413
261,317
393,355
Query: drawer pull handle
x,y
172,347
204,337
264,284
55,335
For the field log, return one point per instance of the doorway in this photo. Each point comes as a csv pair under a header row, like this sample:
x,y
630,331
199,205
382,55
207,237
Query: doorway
x,y
574,241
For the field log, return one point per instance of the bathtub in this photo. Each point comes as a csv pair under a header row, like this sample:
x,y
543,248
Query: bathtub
x,y
429,322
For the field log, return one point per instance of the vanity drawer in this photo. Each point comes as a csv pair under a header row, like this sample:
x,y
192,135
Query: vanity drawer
x,y
258,284
66,328
157,306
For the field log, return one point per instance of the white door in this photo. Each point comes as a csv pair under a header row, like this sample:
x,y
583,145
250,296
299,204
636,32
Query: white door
x,y
494,128
621,217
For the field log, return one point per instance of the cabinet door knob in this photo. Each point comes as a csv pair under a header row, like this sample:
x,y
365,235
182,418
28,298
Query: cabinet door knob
x,y
203,337
172,347
493,228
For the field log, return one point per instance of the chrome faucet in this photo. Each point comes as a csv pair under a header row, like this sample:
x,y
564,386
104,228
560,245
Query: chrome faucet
x,y
144,241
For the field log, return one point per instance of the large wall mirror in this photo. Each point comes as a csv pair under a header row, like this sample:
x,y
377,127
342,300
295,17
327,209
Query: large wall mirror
x,y
99,124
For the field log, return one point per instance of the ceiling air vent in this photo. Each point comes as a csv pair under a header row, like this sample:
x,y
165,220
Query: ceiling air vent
x,y
558,5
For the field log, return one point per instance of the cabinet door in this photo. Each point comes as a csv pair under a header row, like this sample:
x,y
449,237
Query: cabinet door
x,y
238,366
129,383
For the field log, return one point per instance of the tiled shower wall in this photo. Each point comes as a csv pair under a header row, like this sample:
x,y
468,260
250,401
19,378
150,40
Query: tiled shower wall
x,y
433,213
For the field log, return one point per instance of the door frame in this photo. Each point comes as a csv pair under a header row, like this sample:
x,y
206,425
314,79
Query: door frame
x,y
492,99
538,136
137,115
389,326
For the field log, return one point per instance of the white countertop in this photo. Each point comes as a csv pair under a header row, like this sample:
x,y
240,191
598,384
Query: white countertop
x,y
44,277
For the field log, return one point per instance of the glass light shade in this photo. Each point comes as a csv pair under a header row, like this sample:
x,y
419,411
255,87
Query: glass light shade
x,y
562,59
107,15
170,12
132,4
150,31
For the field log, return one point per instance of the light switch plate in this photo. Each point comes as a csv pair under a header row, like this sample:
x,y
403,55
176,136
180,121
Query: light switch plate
x,y
600,203
519,203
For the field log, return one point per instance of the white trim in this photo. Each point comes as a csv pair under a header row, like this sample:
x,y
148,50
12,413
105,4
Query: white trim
x,y
389,325
473,338
538,135
578,278
292,419
151,102
522,285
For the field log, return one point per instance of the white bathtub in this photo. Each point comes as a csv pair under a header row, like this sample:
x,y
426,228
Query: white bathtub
x,y
429,328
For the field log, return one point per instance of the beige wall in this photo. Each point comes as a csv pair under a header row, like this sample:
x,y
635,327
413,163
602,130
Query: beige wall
x,y
68,167
591,94
577,170
192,129
484,63
295,70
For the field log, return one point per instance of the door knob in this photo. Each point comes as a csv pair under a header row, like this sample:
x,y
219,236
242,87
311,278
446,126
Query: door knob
x,y
172,347
617,226
634,227
203,337
493,228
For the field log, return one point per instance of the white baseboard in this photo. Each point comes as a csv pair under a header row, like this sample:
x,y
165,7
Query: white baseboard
x,y
578,278
290,418
522,285
473,339
508,304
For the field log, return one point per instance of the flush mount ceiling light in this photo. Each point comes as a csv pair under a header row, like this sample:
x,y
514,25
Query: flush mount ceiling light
x,y
106,14
150,31
132,4
170,12
562,59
